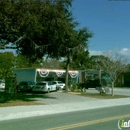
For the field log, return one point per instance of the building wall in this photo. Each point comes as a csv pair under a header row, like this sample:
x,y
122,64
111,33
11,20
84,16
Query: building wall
x,y
25,75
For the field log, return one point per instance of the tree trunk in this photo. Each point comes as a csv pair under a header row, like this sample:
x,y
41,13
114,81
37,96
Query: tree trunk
x,y
67,71
112,91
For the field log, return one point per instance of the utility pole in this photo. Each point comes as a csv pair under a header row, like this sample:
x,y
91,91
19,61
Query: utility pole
x,y
100,75
67,71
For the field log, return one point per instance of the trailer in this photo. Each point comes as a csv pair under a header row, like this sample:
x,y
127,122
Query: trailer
x,y
89,78
93,79
44,74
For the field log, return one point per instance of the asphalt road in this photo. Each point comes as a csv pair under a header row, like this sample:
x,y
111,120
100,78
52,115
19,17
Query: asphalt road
x,y
95,119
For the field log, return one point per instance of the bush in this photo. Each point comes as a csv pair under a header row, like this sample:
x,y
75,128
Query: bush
x,y
74,86
4,97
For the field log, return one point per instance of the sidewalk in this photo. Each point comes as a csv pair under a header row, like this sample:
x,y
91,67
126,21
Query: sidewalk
x,y
73,103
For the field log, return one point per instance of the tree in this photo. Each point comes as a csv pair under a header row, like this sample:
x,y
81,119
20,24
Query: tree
x,y
6,64
21,62
80,40
95,61
41,27
36,27
113,64
80,60
52,63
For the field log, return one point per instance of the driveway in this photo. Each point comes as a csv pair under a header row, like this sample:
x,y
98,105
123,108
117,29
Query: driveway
x,y
61,97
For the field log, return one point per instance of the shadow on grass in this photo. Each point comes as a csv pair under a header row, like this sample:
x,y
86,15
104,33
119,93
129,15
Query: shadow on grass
x,y
28,97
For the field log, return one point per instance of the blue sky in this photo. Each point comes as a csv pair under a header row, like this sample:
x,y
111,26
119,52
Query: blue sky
x,y
108,20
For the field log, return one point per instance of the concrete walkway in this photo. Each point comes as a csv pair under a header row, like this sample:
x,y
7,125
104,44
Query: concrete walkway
x,y
63,102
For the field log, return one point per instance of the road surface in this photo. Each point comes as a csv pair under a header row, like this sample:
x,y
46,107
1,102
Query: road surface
x,y
95,119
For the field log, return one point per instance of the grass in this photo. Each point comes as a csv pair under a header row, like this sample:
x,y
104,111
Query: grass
x,y
98,95
19,103
21,99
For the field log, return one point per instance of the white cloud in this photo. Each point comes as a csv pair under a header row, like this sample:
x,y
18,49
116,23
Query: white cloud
x,y
8,50
94,52
123,51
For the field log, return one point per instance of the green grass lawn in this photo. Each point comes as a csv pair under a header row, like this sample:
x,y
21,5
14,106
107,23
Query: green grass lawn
x,y
99,95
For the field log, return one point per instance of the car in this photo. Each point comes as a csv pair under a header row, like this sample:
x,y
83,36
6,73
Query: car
x,y
59,84
44,86
2,85
26,86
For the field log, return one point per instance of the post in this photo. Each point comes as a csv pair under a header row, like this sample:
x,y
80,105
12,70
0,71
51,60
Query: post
x,y
100,76
67,70
15,86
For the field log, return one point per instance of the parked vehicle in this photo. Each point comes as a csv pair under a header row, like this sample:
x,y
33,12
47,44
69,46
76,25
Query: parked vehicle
x,y
93,79
44,86
2,85
26,86
59,84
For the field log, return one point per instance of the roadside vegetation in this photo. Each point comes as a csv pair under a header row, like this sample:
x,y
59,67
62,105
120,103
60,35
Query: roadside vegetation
x,y
99,95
